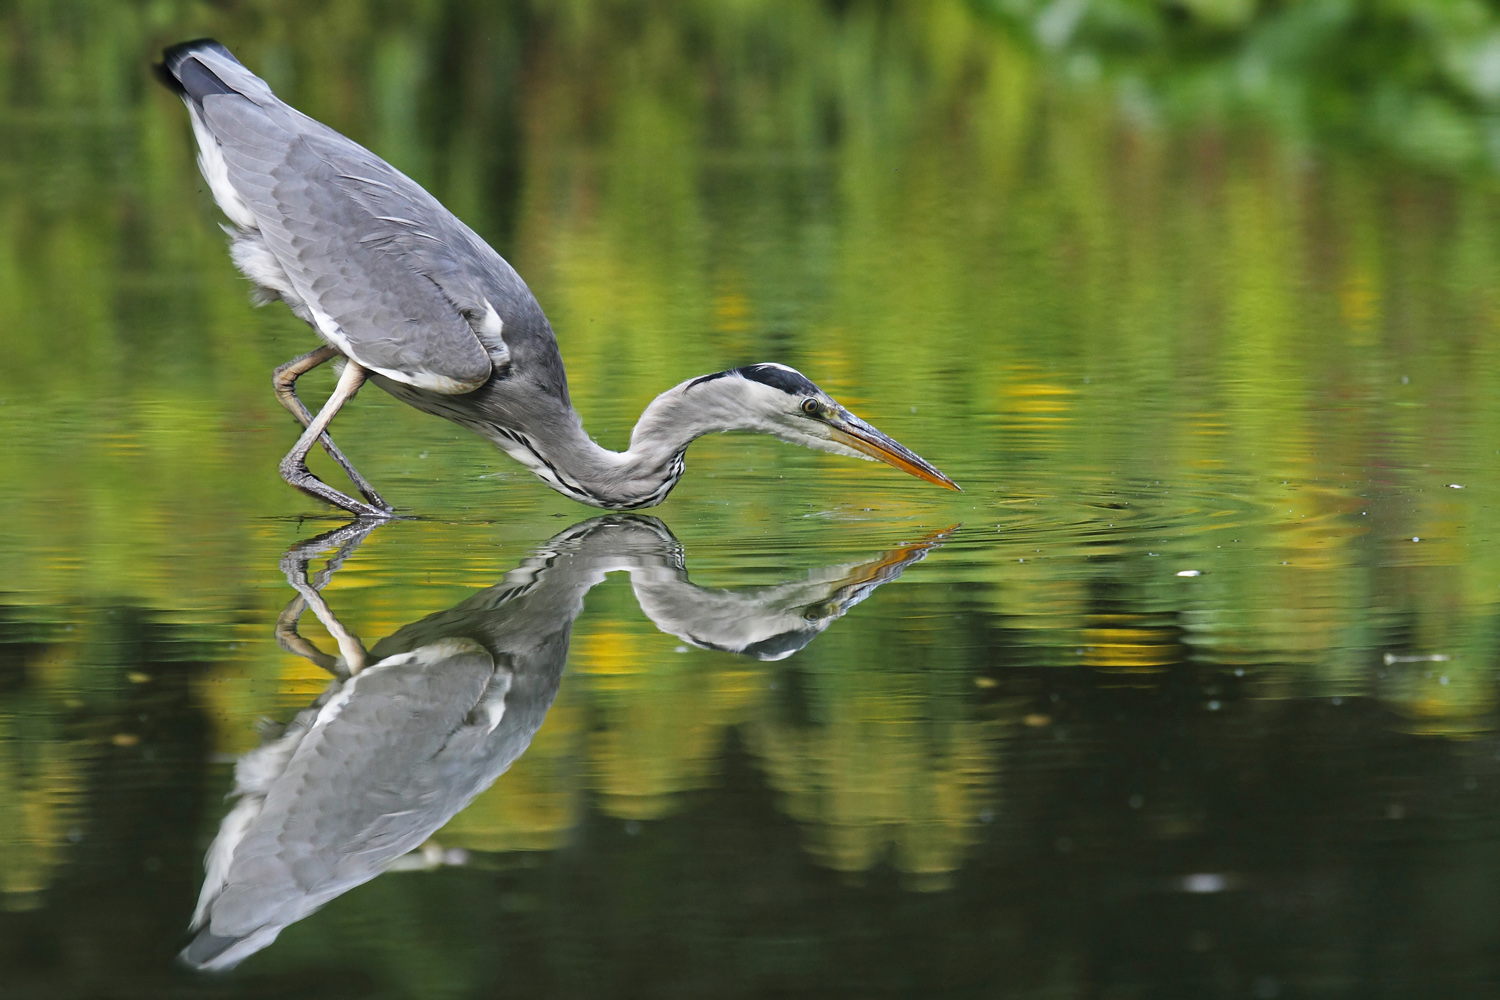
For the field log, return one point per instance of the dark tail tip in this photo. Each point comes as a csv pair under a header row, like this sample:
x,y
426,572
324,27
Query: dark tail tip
x,y
174,54
205,949
188,77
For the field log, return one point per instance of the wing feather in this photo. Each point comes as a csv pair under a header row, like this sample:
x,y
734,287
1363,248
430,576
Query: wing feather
x,y
393,297
372,260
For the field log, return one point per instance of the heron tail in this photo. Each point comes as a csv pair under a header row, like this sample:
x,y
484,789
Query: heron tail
x,y
213,952
194,70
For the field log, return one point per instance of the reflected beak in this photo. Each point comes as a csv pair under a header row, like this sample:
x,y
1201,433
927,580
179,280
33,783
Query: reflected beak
x,y
890,565
855,433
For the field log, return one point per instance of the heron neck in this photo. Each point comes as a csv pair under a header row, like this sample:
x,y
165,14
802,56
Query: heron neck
x,y
642,475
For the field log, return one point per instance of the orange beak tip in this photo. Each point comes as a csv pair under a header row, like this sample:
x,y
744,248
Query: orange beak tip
x,y
891,453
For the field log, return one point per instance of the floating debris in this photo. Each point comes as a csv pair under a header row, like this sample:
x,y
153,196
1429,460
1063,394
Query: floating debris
x,y
1190,572
1391,658
1206,882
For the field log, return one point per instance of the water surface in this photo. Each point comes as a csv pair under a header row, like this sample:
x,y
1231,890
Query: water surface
x,y
1191,692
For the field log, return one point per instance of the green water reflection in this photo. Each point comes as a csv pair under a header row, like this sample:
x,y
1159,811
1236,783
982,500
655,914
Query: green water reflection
x,y
1200,697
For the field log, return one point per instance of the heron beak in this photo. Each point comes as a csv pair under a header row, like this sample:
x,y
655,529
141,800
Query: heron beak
x,y
855,433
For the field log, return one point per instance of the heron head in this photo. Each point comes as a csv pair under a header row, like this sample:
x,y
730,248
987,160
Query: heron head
x,y
800,413
784,402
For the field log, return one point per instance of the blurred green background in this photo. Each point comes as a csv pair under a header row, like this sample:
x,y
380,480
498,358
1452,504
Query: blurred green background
x,y
1207,285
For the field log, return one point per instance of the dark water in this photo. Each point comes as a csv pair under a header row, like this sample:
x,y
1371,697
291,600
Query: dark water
x,y
1191,693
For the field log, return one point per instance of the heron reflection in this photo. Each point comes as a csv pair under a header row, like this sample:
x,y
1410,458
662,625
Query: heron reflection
x,y
412,729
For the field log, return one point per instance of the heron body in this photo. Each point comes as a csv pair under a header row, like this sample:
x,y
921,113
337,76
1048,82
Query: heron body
x,y
415,301
408,733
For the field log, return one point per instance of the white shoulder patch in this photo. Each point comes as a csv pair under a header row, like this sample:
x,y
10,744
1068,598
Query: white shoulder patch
x,y
490,331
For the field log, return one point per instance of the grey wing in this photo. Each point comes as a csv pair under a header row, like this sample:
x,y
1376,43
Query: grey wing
x,y
379,281
359,250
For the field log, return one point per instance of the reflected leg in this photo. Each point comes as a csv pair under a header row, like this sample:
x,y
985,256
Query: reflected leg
x,y
285,383
294,566
294,466
289,639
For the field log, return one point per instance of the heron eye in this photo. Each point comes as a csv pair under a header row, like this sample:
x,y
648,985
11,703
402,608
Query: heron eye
x,y
811,407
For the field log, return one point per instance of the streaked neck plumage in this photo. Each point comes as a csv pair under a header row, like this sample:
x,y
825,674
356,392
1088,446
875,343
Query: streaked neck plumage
x,y
560,451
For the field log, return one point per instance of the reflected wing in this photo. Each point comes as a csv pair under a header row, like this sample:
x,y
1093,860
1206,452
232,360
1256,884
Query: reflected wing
x,y
389,759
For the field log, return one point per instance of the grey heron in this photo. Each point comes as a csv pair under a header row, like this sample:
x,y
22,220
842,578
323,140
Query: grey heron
x,y
410,731
413,300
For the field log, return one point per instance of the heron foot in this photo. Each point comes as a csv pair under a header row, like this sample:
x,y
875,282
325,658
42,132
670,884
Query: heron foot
x,y
284,381
294,466
298,475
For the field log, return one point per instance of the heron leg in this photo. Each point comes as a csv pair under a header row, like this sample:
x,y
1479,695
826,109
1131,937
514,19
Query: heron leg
x,y
285,383
294,466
